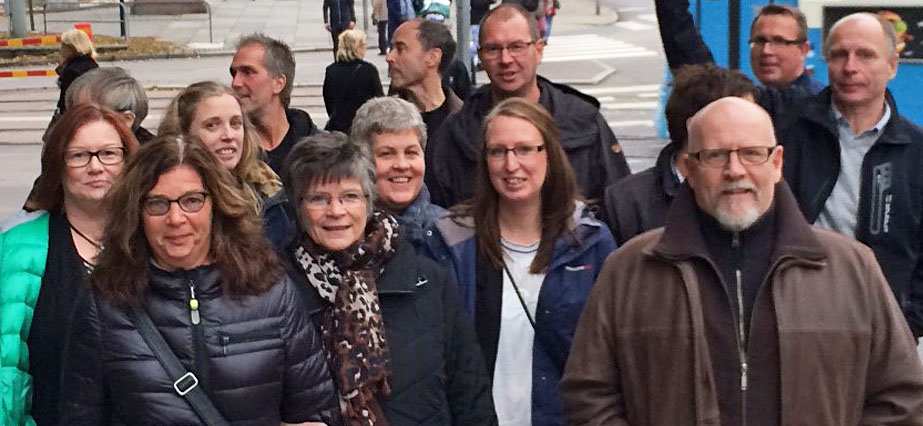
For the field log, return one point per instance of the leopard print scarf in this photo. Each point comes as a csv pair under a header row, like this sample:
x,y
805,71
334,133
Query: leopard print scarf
x,y
353,331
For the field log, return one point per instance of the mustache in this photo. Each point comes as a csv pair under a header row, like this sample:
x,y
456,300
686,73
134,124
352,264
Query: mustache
x,y
739,185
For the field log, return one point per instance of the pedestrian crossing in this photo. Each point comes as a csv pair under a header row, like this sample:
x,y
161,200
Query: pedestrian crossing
x,y
591,46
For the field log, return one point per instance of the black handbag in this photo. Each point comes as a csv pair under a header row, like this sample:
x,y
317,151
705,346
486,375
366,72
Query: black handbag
x,y
185,383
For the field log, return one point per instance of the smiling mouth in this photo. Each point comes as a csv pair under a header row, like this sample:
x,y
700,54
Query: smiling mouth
x,y
339,228
399,179
226,152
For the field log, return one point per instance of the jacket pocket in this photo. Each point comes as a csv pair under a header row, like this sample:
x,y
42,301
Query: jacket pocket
x,y
254,341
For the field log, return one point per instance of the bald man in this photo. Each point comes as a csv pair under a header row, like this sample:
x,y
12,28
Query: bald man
x,y
738,311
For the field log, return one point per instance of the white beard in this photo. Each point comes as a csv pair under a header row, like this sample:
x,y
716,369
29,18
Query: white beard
x,y
738,222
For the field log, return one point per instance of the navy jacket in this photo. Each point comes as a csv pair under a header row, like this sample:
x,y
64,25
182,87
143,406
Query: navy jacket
x,y
339,13
568,282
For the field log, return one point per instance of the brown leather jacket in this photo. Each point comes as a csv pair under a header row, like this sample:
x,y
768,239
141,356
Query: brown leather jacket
x,y
640,355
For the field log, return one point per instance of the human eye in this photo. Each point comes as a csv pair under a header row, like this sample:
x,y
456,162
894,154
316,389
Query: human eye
x,y
518,47
713,156
496,151
317,200
78,155
351,198
837,54
522,151
192,202
156,205
491,50
412,152
111,154
753,154
866,54
237,122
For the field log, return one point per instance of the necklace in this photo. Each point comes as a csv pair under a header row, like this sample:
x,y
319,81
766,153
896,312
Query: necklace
x,y
88,239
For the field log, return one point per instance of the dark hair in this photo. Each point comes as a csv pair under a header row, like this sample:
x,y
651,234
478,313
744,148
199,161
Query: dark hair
x,y
559,191
507,11
695,86
778,10
277,59
247,262
327,157
435,35
48,193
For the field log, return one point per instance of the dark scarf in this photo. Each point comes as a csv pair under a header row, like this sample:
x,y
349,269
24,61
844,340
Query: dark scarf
x,y
353,331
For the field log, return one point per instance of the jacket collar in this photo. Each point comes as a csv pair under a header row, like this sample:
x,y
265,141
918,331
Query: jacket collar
x,y
664,165
175,284
895,131
682,236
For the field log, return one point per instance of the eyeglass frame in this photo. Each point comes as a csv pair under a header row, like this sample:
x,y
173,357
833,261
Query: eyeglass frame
x,y
776,42
96,154
727,156
495,52
178,201
527,151
361,196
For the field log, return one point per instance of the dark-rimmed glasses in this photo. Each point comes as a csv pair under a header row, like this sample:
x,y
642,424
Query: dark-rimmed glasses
x,y
498,152
748,156
80,157
189,202
516,49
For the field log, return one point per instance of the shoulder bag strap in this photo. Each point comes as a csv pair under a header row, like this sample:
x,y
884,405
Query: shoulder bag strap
x,y
519,296
186,384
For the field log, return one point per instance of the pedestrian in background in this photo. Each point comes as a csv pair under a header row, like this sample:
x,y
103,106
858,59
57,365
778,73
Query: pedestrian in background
x,y
380,19
184,259
349,82
47,253
339,16
525,252
77,57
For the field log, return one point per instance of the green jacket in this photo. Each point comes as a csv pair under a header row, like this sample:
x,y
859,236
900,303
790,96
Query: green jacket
x,y
23,252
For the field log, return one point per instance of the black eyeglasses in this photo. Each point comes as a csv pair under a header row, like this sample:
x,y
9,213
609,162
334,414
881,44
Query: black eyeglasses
x,y
80,157
189,202
498,152
749,155
774,42
516,48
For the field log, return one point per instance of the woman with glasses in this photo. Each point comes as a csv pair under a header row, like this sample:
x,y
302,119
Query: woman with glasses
x,y
47,251
394,131
211,112
398,346
349,82
526,252
184,252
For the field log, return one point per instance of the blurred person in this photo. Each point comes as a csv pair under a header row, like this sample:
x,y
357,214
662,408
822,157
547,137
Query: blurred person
x,y
184,251
339,16
116,89
510,51
349,82
77,57
263,76
399,347
47,253
380,19
394,131
526,252
398,12
638,203
738,311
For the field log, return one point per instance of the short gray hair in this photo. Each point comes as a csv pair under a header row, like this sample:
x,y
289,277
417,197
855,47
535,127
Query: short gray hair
x,y
111,87
386,114
277,58
323,158
886,27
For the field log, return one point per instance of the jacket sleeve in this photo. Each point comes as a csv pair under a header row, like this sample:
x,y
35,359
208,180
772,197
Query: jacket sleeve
x,y
468,388
612,157
83,368
682,42
440,184
590,387
914,310
325,8
308,391
894,386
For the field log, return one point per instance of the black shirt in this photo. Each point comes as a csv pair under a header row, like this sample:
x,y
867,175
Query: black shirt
x,y
300,125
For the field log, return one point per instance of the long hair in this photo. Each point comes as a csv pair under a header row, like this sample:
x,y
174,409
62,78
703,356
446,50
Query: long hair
x,y
247,262
254,175
559,191
48,191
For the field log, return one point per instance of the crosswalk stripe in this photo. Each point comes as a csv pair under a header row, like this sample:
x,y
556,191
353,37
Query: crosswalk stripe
x,y
649,17
629,105
621,89
590,46
632,123
633,25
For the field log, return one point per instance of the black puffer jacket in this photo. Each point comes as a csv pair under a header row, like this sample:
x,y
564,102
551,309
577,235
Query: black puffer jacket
x,y
258,358
437,372
593,151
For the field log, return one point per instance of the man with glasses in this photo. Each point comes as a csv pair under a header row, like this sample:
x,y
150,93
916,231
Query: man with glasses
x,y
511,50
738,311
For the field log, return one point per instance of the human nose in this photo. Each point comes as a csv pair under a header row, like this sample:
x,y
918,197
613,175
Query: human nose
x,y
510,161
94,164
175,215
400,162
335,207
734,168
237,81
505,55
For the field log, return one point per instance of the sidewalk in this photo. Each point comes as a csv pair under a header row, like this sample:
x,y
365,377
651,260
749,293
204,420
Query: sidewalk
x,y
297,22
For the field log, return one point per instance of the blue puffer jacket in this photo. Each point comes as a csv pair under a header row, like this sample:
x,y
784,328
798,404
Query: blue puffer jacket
x,y
567,284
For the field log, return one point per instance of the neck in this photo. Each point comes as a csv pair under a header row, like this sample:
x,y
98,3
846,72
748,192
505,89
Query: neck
x,y
428,95
272,125
862,117
520,223
88,217
531,94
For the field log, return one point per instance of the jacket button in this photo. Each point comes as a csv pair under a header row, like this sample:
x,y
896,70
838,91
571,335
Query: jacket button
x,y
429,233
544,378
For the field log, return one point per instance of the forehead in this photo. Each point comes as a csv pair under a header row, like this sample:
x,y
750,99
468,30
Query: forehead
x,y
336,186
398,139
859,32
728,131
778,25
506,130
218,104
177,181
503,28
249,55
93,135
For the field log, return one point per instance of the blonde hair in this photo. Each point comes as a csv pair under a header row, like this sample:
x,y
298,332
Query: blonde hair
x,y
79,41
349,42
256,177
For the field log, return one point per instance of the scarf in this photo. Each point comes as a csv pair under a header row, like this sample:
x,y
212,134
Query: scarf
x,y
353,330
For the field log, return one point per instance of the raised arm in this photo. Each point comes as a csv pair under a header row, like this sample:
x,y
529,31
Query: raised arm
x,y
682,42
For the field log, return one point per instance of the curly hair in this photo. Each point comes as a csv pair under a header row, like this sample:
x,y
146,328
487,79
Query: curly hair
x,y
253,174
247,262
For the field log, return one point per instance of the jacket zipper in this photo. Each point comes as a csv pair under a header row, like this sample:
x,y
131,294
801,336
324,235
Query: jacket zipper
x,y
198,339
741,335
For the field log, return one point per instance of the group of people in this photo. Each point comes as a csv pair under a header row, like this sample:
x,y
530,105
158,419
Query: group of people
x,y
433,259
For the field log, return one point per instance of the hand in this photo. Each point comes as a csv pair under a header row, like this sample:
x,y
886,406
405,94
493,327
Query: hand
x,y
327,26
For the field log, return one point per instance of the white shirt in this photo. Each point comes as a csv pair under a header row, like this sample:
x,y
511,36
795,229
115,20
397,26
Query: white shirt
x,y
512,385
